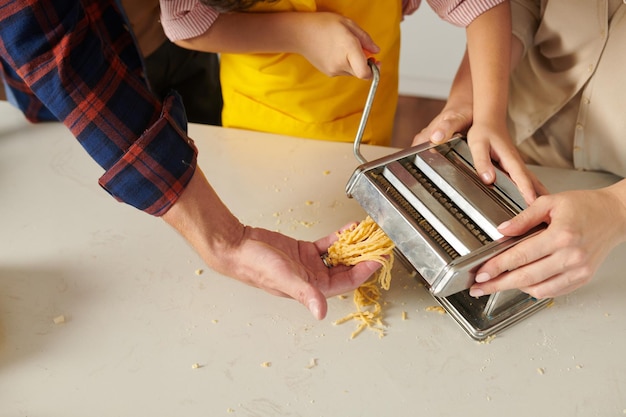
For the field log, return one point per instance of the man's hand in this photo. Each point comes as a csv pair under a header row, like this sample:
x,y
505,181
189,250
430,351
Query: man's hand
x,y
293,268
268,260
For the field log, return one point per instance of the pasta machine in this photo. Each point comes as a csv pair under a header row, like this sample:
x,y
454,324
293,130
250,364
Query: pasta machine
x,y
443,220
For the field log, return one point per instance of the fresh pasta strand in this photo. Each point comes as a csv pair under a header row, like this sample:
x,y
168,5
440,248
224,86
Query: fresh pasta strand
x,y
365,242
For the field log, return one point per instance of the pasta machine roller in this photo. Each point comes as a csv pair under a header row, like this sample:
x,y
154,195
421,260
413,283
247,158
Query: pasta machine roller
x,y
443,220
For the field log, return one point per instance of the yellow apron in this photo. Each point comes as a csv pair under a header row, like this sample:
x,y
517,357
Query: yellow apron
x,y
285,94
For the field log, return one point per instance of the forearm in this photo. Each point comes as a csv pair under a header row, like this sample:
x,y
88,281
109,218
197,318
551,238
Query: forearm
x,y
489,49
252,33
206,223
148,157
461,94
334,44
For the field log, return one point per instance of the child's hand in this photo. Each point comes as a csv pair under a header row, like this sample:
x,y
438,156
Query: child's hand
x,y
452,119
486,143
489,144
335,45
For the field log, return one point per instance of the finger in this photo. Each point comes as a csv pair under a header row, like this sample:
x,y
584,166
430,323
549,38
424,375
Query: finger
x,y
324,243
532,216
556,286
525,252
351,278
308,295
300,285
440,130
481,155
422,137
358,66
540,187
313,293
530,275
523,179
316,303
365,40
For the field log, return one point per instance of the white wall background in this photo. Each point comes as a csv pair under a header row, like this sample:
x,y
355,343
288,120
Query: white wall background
x,y
430,54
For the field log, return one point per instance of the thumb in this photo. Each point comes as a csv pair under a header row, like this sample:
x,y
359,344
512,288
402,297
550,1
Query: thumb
x,y
357,58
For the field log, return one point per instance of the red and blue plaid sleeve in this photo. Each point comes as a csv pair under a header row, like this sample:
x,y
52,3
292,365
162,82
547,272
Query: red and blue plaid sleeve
x,y
75,61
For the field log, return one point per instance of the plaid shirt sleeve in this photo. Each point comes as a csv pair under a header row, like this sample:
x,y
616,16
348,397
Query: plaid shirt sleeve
x,y
75,61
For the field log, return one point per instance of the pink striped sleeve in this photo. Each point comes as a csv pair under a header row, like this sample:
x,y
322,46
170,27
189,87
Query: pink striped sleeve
x,y
184,19
462,12
409,6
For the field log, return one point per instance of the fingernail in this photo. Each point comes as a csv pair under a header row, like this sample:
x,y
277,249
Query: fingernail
x,y
476,292
437,136
315,308
504,225
486,177
482,277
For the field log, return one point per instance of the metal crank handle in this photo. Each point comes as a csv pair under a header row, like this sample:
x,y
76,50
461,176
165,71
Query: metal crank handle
x,y
366,110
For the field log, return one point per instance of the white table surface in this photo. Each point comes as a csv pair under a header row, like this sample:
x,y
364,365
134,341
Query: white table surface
x,y
138,316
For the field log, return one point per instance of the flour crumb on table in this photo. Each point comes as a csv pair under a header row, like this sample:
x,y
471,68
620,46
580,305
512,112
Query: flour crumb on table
x,y
199,271
59,319
312,363
266,364
487,340
437,309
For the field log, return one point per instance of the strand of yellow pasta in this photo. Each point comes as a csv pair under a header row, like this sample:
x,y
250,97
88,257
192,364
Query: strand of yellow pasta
x,y
365,242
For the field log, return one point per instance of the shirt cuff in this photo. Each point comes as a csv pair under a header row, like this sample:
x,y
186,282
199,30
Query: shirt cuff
x,y
156,168
185,19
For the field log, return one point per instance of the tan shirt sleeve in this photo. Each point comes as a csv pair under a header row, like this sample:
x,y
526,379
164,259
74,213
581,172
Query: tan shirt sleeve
x,y
525,20
565,93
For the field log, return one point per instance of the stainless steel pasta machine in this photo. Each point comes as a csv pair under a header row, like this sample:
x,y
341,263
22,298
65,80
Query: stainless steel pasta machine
x,y
442,219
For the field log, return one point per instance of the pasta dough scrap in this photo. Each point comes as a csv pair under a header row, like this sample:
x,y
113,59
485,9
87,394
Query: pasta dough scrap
x,y
365,242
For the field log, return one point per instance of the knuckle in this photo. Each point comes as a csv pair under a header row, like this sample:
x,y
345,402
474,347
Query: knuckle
x,y
567,238
516,258
580,277
522,278
577,257
538,292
